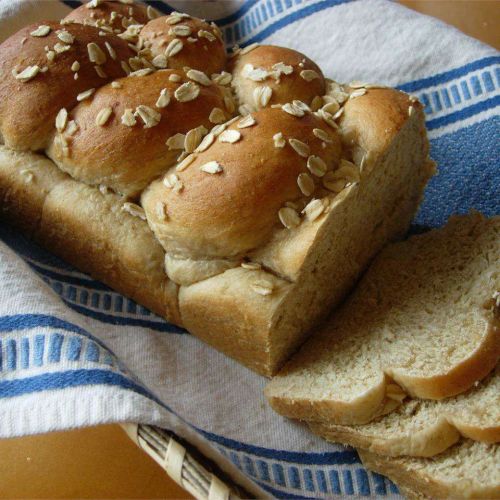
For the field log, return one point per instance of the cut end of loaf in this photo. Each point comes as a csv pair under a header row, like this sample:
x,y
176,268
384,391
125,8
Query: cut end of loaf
x,y
416,316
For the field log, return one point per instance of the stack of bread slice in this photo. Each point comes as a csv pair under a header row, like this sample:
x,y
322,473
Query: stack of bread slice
x,y
407,369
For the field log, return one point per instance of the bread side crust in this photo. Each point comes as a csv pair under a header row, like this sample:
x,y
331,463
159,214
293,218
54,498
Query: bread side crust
x,y
426,443
86,228
424,484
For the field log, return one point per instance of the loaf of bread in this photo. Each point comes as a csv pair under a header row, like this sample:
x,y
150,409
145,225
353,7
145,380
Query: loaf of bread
x,y
422,323
466,470
424,428
237,196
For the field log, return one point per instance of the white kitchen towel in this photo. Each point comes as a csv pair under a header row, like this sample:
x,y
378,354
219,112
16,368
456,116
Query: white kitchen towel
x,y
75,353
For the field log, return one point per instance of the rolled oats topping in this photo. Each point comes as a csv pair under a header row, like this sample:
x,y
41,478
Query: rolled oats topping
x,y
65,37
103,116
28,73
357,93
96,54
212,167
230,136
262,95
309,75
327,118
160,61
292,109
75,66
356,84
174,47
161,211
164,99
151,13
217,116
41,31
316,103
176,141
252,266
279,140
289,217
254,74
206,34
248,48
174,78
85,95
331,107
223,78
193,139
180,30
61,119
322,135
306,184
301,148
199,77
187,92
205,143
247,121
185,163
128,119
71,128
316,166
177,185
148,115
314,209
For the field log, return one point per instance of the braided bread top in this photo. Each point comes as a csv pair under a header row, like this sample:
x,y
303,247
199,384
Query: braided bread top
x,y
220,154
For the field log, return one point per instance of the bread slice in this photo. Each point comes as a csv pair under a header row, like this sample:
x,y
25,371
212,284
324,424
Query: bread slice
x,y
425,428
422,322
467,470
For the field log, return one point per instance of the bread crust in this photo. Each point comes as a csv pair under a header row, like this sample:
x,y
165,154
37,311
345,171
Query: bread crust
x,y
102,15
109,154
28,109
414,474
86,228
204,52
215,215
285,87
425,428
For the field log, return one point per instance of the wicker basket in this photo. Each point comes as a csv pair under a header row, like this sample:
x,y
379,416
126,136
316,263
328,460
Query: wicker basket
x,y
183,463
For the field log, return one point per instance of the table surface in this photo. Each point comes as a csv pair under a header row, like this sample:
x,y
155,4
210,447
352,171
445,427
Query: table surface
x,y
102,462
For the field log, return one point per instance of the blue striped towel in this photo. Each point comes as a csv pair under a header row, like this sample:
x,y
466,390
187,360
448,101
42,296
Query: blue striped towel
x,y
75,353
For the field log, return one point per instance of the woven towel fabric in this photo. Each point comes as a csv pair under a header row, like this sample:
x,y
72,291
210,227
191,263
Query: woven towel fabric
x,y
75,353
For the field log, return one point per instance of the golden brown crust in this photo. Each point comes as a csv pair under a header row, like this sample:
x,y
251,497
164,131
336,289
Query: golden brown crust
x,y
102,15
200,51
369,122
285,87
128,158
217,214
28,109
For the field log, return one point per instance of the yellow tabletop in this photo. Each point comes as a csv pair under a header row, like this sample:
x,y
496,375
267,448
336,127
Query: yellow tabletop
x,y
102,462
